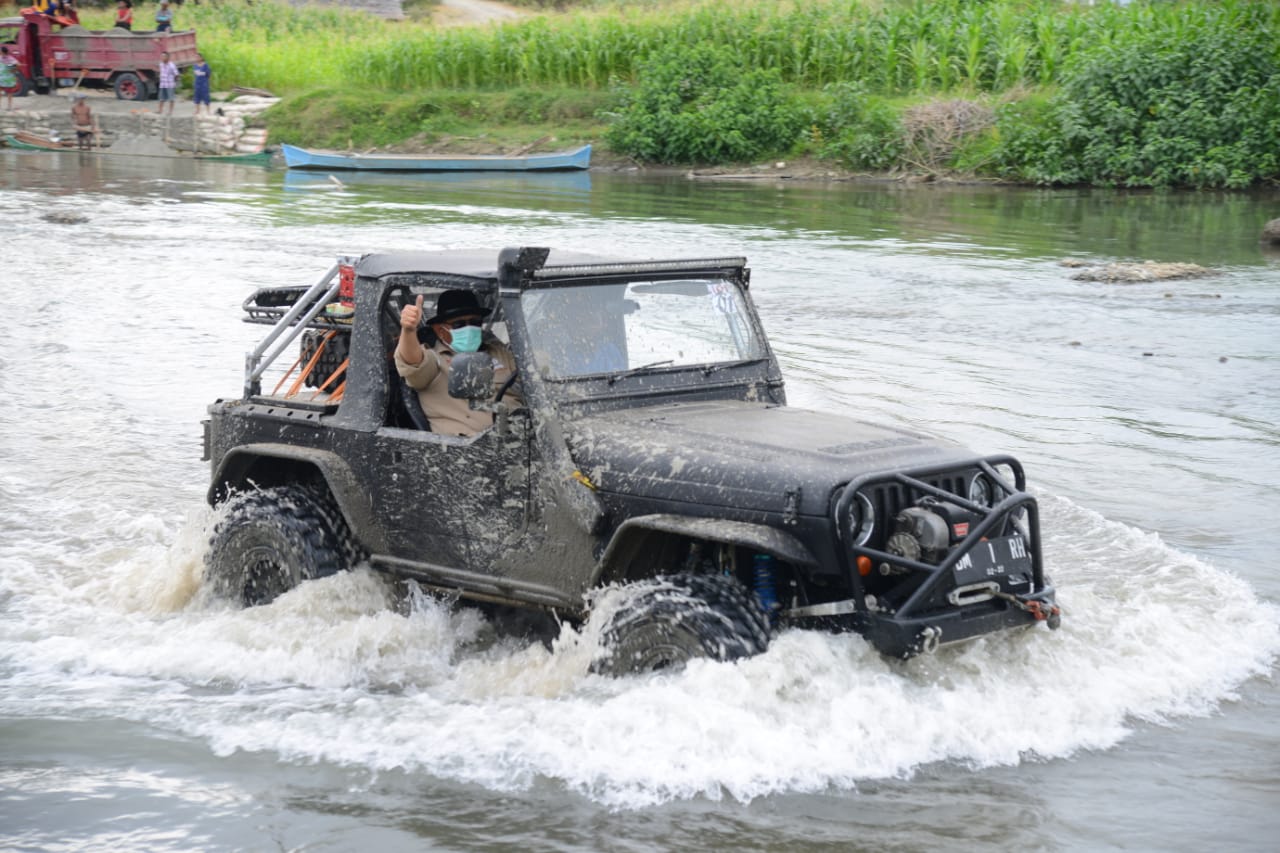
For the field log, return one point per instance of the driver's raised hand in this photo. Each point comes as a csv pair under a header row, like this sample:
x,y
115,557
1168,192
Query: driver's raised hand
x,y
411,316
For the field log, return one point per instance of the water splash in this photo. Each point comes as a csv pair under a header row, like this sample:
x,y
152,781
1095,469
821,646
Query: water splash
x,y
347,670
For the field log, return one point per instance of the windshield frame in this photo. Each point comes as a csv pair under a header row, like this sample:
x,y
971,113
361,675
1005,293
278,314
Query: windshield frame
x,y
721,333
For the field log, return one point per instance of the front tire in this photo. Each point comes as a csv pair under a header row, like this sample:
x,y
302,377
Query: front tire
x,y
677,618
270,540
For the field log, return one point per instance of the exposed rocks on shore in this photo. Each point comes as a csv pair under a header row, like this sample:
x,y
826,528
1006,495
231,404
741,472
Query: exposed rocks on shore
x,y
136,128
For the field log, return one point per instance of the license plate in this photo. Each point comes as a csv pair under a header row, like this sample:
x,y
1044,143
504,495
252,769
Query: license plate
x,y
993,558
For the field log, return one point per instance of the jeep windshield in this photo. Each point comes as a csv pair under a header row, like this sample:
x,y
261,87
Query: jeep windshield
x,y
619,330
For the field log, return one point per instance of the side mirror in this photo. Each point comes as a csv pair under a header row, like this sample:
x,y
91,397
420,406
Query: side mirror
x,y
471,376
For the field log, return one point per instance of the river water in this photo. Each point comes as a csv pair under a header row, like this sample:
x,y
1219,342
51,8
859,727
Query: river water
x,y
136,714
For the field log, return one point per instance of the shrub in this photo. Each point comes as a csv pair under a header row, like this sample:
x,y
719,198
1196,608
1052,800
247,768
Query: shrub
x,y
863,131
1200,110
697,105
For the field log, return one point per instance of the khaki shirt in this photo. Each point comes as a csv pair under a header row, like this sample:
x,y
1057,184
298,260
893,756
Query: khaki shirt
x,y
449,415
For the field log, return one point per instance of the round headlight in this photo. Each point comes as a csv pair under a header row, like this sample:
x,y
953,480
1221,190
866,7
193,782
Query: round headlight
x,y
980,490
862,520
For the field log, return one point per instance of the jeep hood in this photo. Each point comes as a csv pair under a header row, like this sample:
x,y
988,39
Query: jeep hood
x,y
741,455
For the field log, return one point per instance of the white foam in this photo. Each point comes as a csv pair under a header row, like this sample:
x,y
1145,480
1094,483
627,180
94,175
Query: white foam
x,y
338,670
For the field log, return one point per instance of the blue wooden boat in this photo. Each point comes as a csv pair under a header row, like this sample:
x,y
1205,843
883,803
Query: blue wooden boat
x,y
301,158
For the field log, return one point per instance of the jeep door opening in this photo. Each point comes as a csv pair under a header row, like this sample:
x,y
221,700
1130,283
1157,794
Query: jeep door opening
x,y
654,450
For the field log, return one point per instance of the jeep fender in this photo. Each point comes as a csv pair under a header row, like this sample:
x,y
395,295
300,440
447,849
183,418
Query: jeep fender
x,y
277,464
635,535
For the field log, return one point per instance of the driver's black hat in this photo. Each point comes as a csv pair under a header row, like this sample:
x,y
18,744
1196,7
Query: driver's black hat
x,y
457,303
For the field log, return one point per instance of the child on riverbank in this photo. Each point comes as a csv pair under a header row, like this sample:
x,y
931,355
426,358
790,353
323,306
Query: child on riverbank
x,y
8,76
201,74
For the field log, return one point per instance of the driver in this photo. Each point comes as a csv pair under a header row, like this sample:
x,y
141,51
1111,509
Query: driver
x,y
456,325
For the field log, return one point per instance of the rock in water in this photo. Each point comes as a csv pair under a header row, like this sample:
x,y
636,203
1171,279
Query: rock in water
x,y
64,218
1271,232
1145,271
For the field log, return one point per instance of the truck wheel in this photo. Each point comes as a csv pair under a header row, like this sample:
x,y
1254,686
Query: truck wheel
x,y
676,618
270,540
131,87
20,89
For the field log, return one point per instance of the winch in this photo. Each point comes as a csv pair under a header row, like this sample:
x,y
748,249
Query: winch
x,y
926,531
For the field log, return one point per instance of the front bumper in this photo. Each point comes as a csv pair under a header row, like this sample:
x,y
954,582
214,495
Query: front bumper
x,y
907,636
992,580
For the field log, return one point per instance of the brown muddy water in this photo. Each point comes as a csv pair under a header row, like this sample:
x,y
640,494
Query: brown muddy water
x,y
136,714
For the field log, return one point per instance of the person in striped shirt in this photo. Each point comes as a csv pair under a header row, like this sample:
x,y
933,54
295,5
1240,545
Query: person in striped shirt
x,y
168,82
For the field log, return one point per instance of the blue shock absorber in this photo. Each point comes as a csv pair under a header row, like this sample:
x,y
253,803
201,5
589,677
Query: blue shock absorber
x,y
766,583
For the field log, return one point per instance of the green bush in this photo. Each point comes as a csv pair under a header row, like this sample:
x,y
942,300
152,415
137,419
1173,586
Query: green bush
x,y
1201,110
860,130
697,105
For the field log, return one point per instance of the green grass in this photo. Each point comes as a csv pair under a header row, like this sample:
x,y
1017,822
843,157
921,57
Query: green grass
x,y
466,120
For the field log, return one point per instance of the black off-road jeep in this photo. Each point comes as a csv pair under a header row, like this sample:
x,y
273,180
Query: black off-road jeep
x,y
652,447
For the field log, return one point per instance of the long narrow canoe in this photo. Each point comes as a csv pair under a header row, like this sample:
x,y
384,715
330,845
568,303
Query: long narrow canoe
x,y
25,141
301,158
258,158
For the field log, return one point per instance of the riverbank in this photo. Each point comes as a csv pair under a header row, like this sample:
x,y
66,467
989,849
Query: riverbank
x,y
136,127
1024,91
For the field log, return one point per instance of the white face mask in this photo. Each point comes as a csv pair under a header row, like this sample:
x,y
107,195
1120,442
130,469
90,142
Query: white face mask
x,y
466,339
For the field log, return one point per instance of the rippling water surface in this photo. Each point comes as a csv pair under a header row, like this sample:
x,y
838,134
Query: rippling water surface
x,y
137,714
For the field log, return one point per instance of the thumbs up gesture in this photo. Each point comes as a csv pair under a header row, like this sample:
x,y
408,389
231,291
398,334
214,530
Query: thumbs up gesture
x,y
411,316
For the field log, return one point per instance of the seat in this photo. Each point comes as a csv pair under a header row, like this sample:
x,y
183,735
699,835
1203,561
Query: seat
x,y
412,405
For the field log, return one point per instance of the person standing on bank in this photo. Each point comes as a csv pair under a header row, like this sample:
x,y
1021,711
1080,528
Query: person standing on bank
x,y
82,121
200,78
457,329
164,17
168,82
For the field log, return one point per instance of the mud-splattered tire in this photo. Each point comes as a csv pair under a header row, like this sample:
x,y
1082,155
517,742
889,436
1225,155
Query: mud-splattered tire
x,y
677,618
270,540
130,87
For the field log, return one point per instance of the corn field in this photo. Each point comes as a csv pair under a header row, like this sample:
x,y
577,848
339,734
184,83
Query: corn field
x,y
892,47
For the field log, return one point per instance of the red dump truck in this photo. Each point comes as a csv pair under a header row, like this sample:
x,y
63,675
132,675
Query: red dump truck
x,y
53,52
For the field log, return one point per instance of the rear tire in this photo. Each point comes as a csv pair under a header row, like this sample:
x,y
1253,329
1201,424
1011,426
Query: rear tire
x,y
131,87
677,618
270,540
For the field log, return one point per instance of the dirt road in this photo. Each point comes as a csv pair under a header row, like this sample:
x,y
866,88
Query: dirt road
x,y
463,12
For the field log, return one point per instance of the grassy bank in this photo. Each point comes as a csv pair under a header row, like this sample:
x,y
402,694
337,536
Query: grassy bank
x,y
1160,93
464,120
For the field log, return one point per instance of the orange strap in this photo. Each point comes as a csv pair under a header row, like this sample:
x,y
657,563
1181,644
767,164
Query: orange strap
x,y
287,374
306,371
342,368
